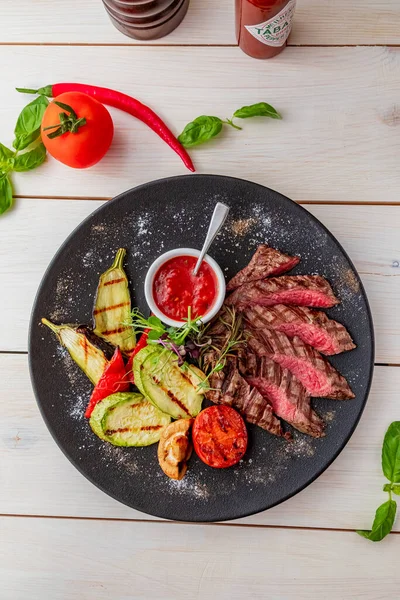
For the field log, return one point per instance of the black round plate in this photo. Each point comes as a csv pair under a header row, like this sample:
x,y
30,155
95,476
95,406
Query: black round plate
x,y
147,221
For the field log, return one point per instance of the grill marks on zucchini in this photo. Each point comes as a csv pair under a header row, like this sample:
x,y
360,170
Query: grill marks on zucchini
x,y
126,419
87,356
133,429
113,281
171,388
112,308
98,311
171,395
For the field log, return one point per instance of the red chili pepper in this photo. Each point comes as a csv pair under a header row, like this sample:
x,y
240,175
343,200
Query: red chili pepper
x,y
139,346
123,102
113,380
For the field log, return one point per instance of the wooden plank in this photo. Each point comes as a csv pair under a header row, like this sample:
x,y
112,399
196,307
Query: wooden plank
x,y
207,22
323,22
48,558
338,140
368,233
38,480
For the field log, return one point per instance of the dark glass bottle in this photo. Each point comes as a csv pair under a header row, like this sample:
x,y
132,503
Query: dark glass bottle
x,y
263,26
146,19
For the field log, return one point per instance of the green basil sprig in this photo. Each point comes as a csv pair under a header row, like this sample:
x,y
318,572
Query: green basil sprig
x,y
262,109
30,160
6,193
386,513
27,129
200,130
27,132
206,127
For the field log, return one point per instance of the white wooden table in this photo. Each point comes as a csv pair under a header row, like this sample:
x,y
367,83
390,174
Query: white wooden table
x,y
337,151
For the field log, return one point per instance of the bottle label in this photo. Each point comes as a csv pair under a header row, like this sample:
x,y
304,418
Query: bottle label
x,y
276,31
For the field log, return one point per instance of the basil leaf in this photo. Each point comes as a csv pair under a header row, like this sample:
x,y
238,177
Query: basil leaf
x,y
30,160
27,129
6,193
262,109
200,130
5,153
6,159
383,522
391,453
392,487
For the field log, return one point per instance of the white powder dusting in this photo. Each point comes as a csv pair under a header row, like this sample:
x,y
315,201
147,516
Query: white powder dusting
x,y
78,407
329,416
190,485
243,230
300,447
142,225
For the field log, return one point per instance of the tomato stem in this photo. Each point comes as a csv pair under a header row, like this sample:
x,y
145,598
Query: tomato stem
x,y
68,123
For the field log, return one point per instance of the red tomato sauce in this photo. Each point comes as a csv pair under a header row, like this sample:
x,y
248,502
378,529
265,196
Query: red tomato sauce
x,y
175,288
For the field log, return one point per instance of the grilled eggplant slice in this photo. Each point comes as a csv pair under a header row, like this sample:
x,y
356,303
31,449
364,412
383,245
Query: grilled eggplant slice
x,y
87,356
112,307
126,419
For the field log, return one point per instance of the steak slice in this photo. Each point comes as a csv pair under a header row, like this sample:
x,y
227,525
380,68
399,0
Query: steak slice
x,y
316,374
287,396
230,388
265,262
311,326
299,290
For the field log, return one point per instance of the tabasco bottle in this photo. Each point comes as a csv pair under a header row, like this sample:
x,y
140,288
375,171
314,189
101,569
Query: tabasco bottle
x,y
263,26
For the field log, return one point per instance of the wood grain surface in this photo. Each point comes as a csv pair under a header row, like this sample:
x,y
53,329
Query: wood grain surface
x,y
322,22
38,480
34,230
338,140
337,150
73,559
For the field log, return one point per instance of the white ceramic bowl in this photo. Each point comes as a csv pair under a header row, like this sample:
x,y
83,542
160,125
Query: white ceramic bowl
x,y
148,285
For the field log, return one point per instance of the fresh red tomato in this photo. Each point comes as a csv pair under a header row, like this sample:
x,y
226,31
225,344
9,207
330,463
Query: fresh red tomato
x,y
88,130
219,436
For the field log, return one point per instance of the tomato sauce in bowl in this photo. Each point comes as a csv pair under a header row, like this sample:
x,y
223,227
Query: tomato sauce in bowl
x,y
175,288
171,288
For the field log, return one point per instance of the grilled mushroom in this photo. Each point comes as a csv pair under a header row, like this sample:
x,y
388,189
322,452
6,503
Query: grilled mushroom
x,y
175,448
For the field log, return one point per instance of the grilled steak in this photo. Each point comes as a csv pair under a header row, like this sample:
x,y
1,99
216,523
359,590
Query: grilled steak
x,y
316,374
288,398
229,387
311,326
265,262
299,290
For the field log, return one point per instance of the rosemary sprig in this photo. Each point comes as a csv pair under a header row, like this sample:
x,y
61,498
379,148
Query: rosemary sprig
x,y
224,344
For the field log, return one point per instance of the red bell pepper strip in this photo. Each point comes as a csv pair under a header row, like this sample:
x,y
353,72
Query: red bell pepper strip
x,y
123,102
113,380
139,346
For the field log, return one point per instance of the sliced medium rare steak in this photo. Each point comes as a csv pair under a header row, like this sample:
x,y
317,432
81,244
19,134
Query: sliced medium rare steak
x,y
265,262
316,374
298,290
288,397
230,388
313,327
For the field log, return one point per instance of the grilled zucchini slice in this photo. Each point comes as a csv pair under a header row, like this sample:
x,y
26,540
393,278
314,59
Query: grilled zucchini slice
x,y
90,359
112,307
128,420
173,389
